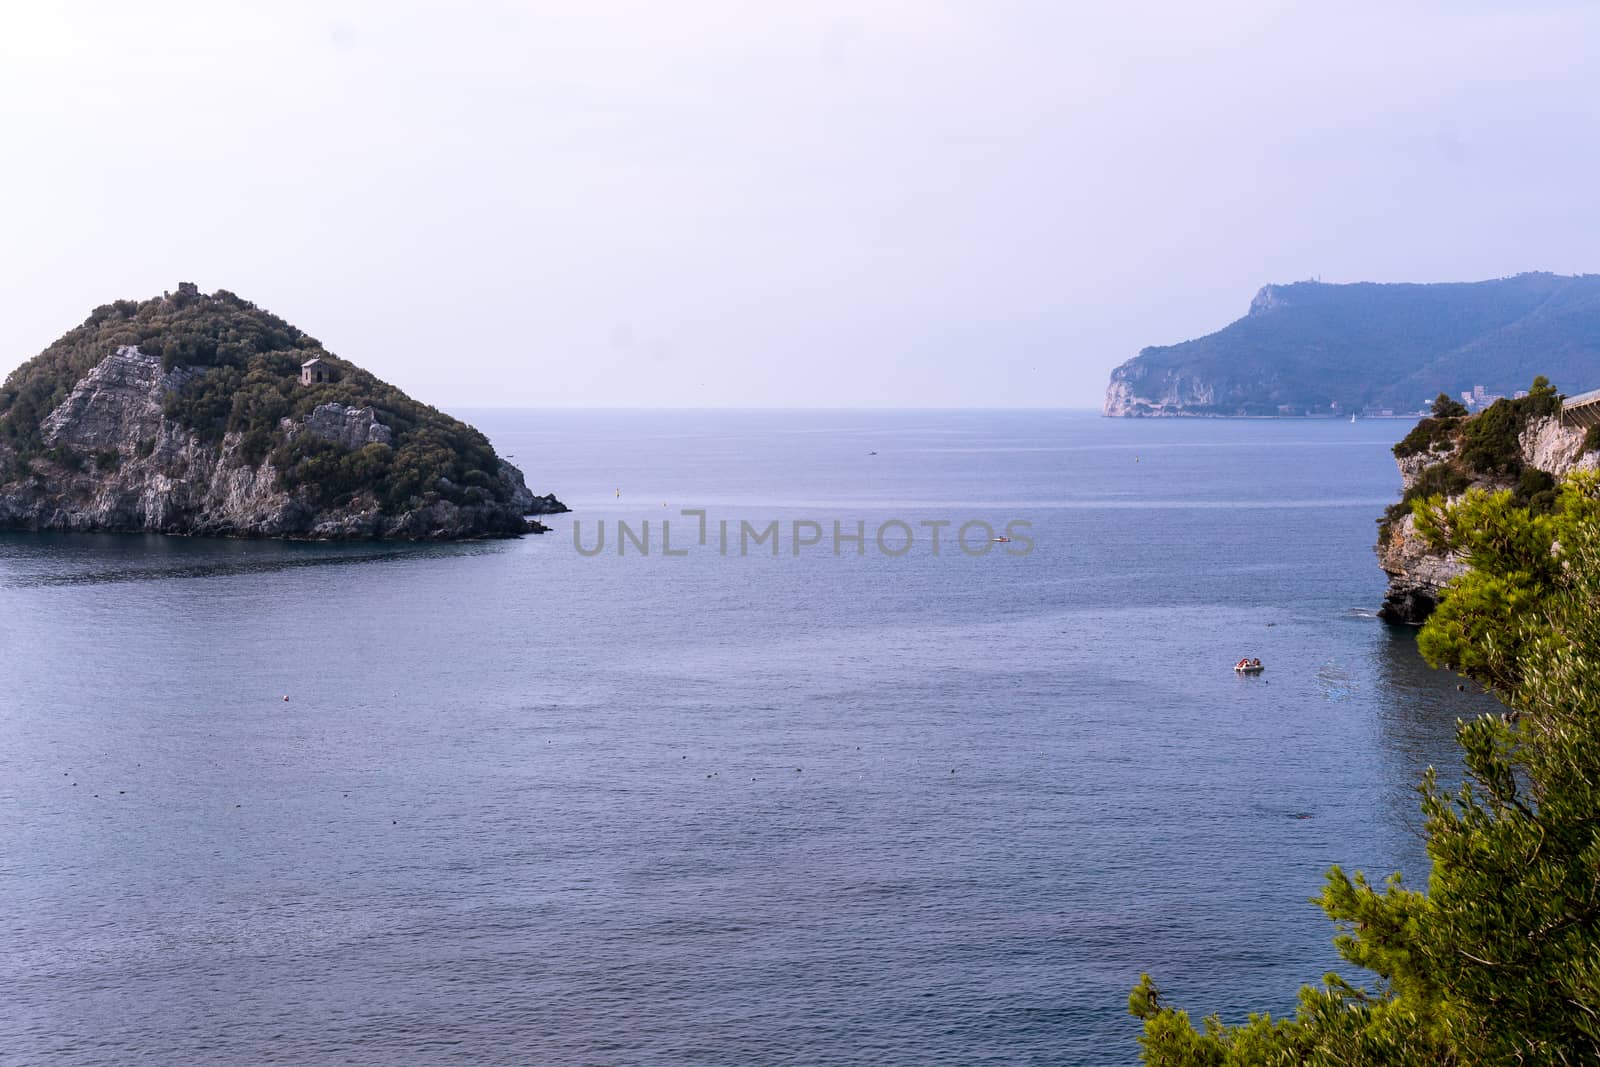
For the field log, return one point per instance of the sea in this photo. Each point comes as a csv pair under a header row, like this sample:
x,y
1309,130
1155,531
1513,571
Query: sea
x,y
732,766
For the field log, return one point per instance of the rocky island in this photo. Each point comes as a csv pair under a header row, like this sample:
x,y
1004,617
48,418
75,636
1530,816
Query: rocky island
x,y
1523,446
1315,349
204,414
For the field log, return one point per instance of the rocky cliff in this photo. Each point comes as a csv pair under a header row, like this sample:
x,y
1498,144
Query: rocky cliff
x,y
1139,389
1448,459
203,427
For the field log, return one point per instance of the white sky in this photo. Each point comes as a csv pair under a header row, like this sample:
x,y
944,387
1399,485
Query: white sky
x,y
774,204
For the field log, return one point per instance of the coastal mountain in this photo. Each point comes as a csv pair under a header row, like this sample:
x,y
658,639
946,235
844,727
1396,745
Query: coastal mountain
x,y
203,414
1520,445
1319,349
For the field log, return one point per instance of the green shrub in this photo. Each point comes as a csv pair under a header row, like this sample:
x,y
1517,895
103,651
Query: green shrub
x,y
1542,398
1428,435
1491,441
1440,480
1535,490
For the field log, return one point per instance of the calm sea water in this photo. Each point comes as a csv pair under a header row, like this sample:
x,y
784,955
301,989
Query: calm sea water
x,y
526,806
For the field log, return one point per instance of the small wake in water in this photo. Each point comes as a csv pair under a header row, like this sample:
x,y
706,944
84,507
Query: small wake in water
x,y
1336,682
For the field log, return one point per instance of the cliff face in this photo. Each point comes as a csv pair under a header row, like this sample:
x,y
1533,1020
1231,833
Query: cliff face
x,y
1141,390
1417,573
122,451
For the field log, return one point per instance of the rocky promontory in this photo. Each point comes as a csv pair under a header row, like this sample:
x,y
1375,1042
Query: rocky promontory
x,y
1317,349
1516,445
191,414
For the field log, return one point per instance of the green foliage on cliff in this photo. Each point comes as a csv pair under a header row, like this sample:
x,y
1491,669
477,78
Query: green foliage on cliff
x,y
207,330
1428,435
1482,448
1488,439
246,366
1489,442
1439,480
1499,961
1305,347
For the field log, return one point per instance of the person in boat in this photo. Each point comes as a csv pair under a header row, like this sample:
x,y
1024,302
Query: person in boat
x,y
1255,663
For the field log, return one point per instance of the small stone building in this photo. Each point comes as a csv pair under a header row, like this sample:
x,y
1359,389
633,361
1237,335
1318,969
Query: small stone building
x,y
314,371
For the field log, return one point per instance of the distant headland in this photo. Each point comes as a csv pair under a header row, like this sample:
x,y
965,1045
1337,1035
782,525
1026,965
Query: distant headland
x,y
1312,349
204,414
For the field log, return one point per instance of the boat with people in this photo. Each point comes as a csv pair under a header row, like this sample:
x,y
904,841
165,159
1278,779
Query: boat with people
x,y
1249,666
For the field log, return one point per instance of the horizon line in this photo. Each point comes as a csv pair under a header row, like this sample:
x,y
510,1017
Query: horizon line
x,y
766,407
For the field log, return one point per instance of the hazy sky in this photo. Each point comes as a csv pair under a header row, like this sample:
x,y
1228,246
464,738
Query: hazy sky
x,y
769,204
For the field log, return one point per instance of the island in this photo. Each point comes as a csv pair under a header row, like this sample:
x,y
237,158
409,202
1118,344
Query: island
x,y
1368,349
203,414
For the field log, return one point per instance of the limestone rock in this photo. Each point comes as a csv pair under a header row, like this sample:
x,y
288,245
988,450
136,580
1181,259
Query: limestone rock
x,y
1417,574
1554,448
1136,390
349,428
118,403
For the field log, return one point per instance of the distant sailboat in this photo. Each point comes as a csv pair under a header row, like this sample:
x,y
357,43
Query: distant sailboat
x,y
1352,418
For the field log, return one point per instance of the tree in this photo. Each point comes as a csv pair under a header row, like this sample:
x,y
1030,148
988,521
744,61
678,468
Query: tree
x,y
1499,961
1446,408
1542,397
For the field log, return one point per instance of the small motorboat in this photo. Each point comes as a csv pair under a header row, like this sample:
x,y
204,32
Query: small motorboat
x,y
1249,666
1001,540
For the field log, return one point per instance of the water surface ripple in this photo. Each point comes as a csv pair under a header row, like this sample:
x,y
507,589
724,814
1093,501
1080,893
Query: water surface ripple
x,y
528,807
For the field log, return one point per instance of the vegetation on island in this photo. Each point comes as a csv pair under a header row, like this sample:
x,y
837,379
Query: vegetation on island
x,y
1499,960
1311,348
244,366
